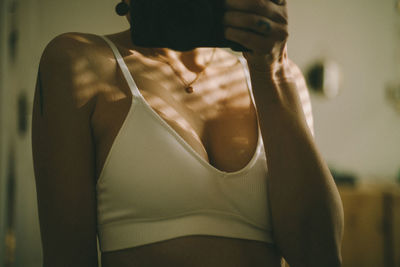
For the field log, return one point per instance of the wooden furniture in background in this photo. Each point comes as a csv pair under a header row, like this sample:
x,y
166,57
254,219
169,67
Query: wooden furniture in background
x,y
372,225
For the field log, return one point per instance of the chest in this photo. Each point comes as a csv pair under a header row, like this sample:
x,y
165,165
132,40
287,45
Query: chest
x,y
218,120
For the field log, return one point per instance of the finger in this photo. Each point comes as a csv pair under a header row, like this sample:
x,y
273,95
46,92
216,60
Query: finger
x,y
255,41
255,23
265,8
279,2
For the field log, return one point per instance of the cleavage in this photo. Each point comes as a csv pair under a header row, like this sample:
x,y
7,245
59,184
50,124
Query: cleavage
x,y
188,126
190,115
227,141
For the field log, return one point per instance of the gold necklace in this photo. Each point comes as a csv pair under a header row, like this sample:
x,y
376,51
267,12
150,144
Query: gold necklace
x,y
188,86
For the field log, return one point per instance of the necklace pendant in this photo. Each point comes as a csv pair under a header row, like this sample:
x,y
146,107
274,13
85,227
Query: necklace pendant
x,y
189,89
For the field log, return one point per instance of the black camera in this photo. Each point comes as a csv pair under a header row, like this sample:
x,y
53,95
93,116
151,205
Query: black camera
x,y
179,24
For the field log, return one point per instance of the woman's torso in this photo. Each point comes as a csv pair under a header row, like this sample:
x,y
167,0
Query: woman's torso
x,y
218,121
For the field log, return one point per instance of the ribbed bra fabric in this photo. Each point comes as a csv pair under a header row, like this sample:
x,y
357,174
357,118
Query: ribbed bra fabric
x,y
154,186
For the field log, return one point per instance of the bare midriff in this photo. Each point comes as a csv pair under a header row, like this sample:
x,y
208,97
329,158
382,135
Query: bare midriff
x,y
196,251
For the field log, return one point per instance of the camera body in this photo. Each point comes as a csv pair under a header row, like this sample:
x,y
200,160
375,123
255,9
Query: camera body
x,y
180,25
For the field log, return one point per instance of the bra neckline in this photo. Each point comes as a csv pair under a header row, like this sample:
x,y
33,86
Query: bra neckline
x,y
190,149
137,95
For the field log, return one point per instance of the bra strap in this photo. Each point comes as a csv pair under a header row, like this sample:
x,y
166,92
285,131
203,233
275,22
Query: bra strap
x,y
250,88
124,68
247,74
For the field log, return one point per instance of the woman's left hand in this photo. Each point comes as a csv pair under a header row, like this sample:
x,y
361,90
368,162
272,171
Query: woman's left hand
x,y
260,25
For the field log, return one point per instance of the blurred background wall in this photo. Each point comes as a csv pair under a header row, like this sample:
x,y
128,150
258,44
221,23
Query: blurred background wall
x,y
2,139
26,27
358,131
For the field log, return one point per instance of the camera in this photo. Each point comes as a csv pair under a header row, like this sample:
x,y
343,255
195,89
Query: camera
x,y
180,25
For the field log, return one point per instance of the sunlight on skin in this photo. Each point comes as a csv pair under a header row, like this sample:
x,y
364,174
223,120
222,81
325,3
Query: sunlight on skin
x,y
307,110
203,115
241,140
156,75
220,97
82,39
179,122
240,100
87,80
304,96
167,111
215,96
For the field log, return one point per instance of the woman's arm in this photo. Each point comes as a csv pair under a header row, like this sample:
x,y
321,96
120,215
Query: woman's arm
x,y
63,153
306,208
307,212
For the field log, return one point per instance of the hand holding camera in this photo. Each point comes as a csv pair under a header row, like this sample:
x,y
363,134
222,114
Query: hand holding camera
x,y
258,28
259,25
180,25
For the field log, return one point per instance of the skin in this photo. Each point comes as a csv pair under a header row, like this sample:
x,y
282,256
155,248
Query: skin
x,y
80,104
306,208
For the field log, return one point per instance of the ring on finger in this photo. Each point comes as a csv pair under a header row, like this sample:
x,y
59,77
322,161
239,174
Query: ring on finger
x,y
264,26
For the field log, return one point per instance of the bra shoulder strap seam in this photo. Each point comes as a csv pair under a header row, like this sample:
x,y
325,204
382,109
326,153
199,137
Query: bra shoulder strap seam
x,y
124,68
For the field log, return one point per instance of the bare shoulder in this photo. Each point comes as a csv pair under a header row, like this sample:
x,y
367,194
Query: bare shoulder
x,y
79,62
72,46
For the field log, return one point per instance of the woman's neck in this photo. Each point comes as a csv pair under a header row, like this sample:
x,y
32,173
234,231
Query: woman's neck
x,y
193,59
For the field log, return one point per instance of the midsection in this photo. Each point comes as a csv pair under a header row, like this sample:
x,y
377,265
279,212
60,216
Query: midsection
x,y
196,251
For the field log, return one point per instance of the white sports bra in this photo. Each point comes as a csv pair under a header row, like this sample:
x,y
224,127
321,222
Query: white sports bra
x,y
155,187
